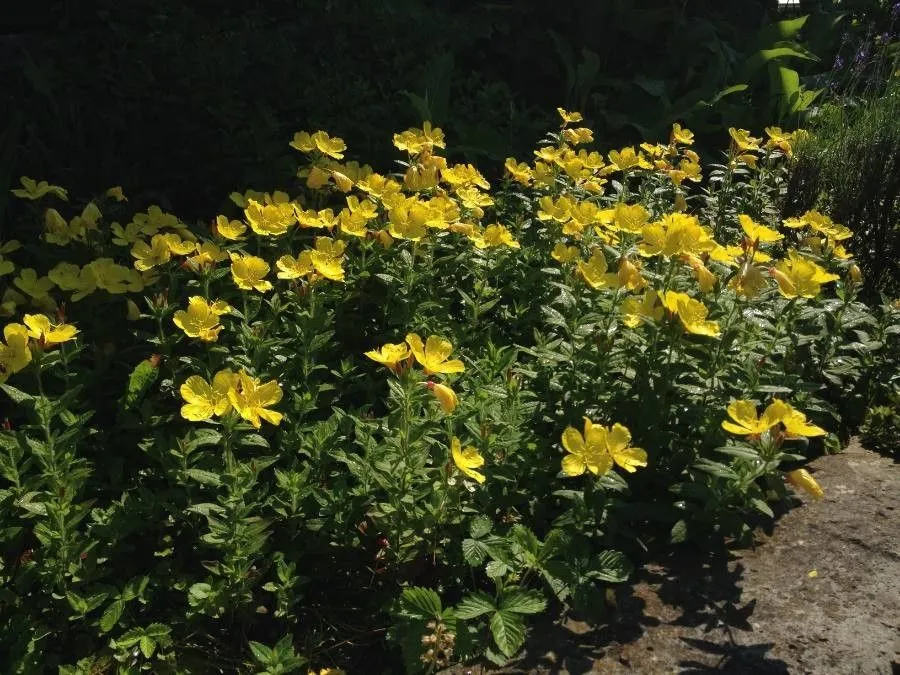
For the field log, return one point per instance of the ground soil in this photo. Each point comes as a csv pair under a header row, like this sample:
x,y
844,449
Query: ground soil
x,y
819,593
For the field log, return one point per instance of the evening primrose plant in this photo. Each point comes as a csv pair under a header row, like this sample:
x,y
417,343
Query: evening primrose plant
x,y
384,417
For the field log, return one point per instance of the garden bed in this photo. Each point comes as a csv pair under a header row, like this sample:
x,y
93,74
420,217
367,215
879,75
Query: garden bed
x,y
761,611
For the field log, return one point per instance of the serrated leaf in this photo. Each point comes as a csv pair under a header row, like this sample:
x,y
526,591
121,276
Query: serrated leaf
x,y
474,605
139,382
523,601
418,600
474,552
480,526
111,615
612,566
508,630
496,569
147,645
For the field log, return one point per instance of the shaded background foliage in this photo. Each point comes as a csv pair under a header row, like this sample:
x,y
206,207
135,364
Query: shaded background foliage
x,y
188,101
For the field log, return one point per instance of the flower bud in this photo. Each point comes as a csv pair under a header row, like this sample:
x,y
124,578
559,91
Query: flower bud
x,y
855,274
445,396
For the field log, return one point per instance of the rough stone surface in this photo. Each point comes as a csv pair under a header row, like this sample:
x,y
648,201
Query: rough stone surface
x,y
818,594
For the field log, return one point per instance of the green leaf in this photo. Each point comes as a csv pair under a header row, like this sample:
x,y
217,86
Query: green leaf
x,y
111,615
17,395
139,382
157,630
763,56
508,630
780,31
148,646
610,566
480,526
204,477
261,653
474,605
474,552
762,507
422,601
523,601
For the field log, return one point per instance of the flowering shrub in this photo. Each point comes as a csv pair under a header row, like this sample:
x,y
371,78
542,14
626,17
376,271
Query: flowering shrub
x,y
350,411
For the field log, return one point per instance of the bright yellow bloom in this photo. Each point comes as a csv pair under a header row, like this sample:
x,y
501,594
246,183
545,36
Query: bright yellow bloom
x,y
565,254
207,255
201,320
493,236
743,141
103,273
629,275
407,220
311,218
627,158
647,306
801,478
48,334
618,442
249,272
252,399
758,233
290,267
270,220
327,258
433,354
594,272
32,189
390,355
352,224
578,136
204,400
366,208
676,234
159,251
799,277
229,229
331,146
32,285
445,396
415,141
587,452
467,460
779,139
15,354
682,136
569,117
630,218
746,422
379,187
464,174
692,313
520,172
705,279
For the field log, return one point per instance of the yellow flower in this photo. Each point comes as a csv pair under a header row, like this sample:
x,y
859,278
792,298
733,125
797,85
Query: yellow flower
x,y
32,189
379,187
229,229
578,136
151,255
204,400
705,279
464,174
630,218
494,235
749,282
315,219
758,233
594,271
252,399
327,258
390,355
331,146
125,236
353,224
15,354
647,306
208,254
433,354
618,442
290,267
743,141
116,194
745,421
415,141
249,271
569,117
201,320
801,478
56,229
48,334
587,452
779,139
105,274
565,254
676,234
627,158
629,275
407,220
800,277
692,313
682,136
520,172
467,460
445,396
270,220
33,286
